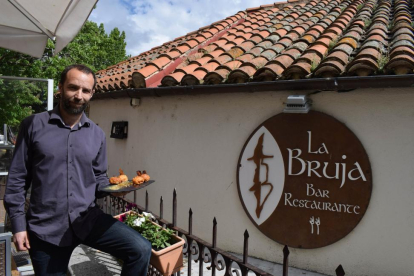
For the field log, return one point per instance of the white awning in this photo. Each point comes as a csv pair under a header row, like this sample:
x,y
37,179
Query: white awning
x,y
25,25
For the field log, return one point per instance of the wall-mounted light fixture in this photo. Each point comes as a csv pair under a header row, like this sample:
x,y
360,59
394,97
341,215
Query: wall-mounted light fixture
x,y
119,130
135,102
297,104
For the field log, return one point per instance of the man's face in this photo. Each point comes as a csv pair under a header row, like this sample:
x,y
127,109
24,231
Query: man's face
x,y
76,91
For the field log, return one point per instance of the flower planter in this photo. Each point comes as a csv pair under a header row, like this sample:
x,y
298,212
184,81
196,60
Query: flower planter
x,y
168,260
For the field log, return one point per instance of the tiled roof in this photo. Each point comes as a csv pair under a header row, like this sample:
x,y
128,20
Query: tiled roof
x,y
293,40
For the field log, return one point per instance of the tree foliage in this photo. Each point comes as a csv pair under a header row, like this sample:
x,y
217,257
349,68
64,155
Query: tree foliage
x,y
92,47
16,106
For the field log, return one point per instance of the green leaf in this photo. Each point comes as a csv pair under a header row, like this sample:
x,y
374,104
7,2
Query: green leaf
x,y
158,237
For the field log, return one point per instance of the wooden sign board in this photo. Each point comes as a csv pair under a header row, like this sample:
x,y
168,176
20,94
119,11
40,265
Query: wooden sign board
x,y
304,180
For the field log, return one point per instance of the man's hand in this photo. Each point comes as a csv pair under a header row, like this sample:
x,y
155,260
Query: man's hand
x,y
21,240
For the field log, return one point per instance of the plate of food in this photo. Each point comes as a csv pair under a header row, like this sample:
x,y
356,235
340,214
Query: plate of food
x,y
121,183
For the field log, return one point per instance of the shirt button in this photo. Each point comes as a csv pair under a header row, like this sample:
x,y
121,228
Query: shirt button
x,y
71,211
71,194
70,146
70,178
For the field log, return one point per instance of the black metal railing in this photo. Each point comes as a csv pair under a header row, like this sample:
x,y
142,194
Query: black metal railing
x,y
196,249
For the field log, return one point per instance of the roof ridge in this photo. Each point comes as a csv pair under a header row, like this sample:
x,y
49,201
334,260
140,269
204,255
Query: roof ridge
x,y
140,80
220,29
276,4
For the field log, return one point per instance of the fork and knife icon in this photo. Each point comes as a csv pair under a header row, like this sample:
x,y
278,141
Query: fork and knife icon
x,y
315,221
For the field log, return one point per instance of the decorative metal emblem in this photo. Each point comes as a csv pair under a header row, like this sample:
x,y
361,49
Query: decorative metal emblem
x,y
304,179
258,159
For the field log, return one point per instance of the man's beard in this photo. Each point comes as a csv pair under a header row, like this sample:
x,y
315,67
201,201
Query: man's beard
x,y
71,110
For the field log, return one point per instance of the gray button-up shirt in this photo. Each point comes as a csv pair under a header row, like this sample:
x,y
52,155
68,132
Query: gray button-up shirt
x,y
65,168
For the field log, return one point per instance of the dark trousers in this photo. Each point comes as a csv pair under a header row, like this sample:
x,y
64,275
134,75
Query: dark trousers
x,y
108,235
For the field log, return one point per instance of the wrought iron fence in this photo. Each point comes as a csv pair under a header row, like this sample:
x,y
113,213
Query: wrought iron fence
x,y
195,248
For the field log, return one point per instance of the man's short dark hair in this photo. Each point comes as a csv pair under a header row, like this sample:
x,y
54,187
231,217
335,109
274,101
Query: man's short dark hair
x,y
79,67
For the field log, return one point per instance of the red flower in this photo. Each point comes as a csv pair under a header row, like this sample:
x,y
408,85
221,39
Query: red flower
x,y
130,206
122,218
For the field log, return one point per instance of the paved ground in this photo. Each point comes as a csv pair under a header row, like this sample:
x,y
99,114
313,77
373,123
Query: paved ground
x,y
86,261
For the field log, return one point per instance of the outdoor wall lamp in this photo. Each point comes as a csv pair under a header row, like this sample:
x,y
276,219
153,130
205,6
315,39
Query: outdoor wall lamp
x,y
119,130
135,102
297,104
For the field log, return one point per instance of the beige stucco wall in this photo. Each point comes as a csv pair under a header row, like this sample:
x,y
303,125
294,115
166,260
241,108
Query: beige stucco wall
x,y
193,143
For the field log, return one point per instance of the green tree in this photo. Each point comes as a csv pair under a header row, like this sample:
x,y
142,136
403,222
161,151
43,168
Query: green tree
x,y
16,106
92,47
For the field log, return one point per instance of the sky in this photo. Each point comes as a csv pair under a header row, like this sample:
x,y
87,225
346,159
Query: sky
x,y
150,23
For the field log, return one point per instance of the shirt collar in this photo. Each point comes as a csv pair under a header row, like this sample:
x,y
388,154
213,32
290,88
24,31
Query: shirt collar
x,y
55,115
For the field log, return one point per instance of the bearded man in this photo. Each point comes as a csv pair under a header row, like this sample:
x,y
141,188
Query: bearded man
x,y
61,154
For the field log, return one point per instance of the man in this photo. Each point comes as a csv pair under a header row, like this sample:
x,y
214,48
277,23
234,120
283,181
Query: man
x,y
62,155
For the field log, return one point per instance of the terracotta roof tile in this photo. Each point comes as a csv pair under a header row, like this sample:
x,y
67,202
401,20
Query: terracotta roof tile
x,y
173,54
228,46
283,60
203,60
363,67
232,65
345,48
138,78
293,52
246,46
312,32
277,48
402,50
217,76
188,69
402,31
247,35
318,28
193,79
324,41
206,34
148,70
310,58
183,48
407,43
259,62
173,79
161,62
268,73
224,58
330,69
192,43
216,53
319,49
378,38
208,49
298,70
257,50
238,40
269,54
369,53
209,67
246,58
220,42
353,42
235,52
281,32
273,38
242,74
